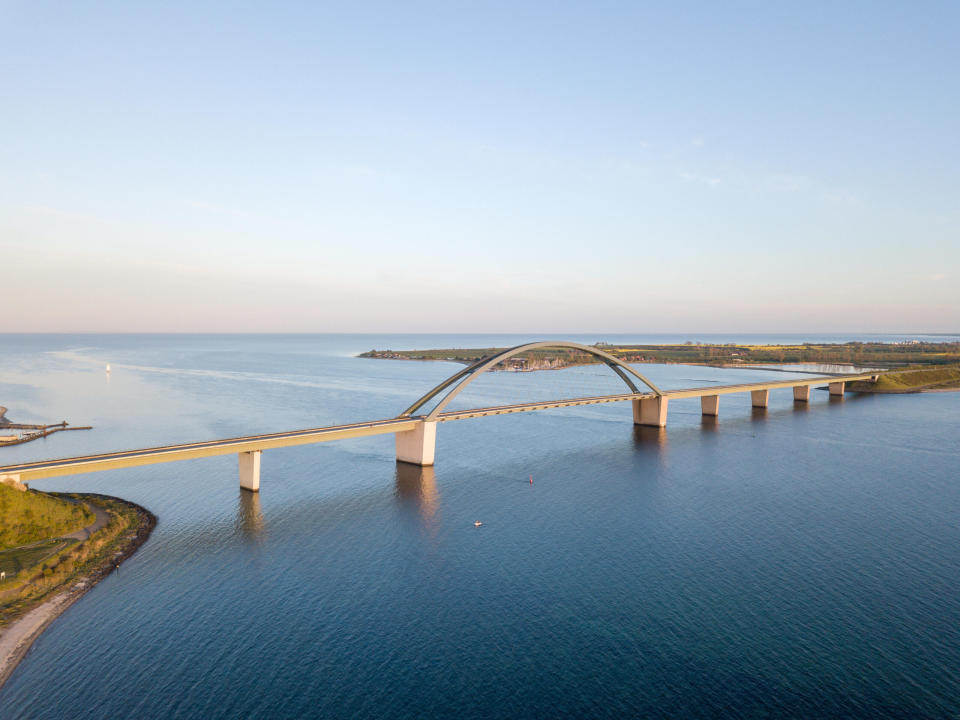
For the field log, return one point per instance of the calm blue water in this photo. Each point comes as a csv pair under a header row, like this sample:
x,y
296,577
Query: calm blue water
x,y
787,563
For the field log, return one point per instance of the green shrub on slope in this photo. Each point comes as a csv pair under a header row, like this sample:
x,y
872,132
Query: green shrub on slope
x,y
27,517
918,379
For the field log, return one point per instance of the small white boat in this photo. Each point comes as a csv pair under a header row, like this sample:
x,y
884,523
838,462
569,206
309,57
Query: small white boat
x,y
477,523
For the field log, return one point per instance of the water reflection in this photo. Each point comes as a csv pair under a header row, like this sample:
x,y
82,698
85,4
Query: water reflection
x,y
709,422
650,438
417,487
249,521
758,413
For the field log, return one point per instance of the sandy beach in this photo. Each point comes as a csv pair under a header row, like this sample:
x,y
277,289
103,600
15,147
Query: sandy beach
x,y
16,639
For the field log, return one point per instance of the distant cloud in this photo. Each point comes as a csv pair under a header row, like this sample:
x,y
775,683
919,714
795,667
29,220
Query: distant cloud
x,y
221,210
103,222
786,183
698,141
699,179
357,170
840,197
63,214
937,277
235,213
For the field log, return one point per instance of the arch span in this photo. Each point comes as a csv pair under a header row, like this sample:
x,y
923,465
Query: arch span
x,y
466,376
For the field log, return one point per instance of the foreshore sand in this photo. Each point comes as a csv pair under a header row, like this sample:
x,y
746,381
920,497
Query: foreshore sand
x,y
17,638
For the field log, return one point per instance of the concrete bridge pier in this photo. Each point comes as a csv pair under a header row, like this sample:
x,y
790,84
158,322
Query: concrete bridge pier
x,y
801,393
418,446
250,470
13,481
760,398
710,405
837,388
650,411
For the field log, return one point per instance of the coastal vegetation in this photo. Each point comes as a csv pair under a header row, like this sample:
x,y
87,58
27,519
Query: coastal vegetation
x,y
854,353
35,570
28,517
920,380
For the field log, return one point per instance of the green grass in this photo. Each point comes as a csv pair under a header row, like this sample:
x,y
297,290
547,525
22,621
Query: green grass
x,y
17,559
27,517
946,377
36,571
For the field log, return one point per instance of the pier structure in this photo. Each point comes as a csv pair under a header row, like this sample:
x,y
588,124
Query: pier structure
x,y
416,431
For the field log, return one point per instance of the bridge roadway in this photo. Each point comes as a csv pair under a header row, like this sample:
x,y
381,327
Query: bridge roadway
x,y
402,426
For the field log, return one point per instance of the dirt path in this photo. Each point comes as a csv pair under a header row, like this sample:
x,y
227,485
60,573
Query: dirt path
x,y
102,518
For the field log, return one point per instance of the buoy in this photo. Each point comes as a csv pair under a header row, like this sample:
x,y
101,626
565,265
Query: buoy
x,y
531,479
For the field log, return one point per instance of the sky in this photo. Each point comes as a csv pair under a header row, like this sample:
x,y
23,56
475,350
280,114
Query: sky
x,y
479,167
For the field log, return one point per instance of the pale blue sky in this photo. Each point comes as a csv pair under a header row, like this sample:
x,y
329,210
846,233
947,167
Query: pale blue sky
x,y
566,167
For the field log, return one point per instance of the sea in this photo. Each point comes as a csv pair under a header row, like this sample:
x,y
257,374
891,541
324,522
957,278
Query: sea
x,y
801,561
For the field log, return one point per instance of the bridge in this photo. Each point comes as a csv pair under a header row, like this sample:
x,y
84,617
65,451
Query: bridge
x,y
416,431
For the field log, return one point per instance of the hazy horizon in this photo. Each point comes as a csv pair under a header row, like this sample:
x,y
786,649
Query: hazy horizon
x,y
687,335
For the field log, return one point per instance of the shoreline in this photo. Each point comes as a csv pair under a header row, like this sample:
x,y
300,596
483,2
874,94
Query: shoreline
x,y
18,637
40,431
785,367
543,355
761,365
906,391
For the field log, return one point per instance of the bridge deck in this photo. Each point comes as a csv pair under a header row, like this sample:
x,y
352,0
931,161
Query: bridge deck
x,y
208,448
777,384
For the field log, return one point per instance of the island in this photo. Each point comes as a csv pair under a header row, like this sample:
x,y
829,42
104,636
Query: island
x,y
53,548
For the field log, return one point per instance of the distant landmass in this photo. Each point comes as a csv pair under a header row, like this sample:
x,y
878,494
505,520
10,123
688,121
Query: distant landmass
x,y
886,355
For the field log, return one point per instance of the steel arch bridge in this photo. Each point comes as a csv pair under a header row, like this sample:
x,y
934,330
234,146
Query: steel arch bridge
x,y
416,433
458,382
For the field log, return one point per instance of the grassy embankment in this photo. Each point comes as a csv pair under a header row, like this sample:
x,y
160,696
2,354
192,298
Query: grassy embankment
x,y
26,517
40,561
925,379
867,354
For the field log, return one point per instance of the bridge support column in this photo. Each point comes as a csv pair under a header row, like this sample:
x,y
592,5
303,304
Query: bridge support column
x,y
710,405
801,393
13,481
837,388
650,411
419,445
760,398
250,470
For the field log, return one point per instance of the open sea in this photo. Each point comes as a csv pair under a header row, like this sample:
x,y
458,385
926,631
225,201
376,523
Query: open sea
x,y
795,562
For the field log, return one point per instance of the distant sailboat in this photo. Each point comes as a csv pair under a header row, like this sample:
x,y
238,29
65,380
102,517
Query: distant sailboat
x,y
108,368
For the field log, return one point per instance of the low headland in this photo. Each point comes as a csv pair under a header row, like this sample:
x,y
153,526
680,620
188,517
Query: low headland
x,y
37,431
924,365
931,379
54,547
